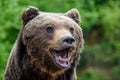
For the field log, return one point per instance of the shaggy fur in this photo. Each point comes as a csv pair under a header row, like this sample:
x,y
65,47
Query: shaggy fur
x,y
31,57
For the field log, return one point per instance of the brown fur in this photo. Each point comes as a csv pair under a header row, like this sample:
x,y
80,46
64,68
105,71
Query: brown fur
x,y
31,59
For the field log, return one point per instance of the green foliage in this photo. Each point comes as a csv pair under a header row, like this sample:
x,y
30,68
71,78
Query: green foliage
x,y
100,59
116,73
93,74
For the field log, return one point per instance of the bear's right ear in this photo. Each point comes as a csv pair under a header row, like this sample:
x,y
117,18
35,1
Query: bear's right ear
x,y
29,14
74,14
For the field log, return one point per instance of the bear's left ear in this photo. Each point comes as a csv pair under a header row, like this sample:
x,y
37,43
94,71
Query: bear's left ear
x,y
74,14
29,13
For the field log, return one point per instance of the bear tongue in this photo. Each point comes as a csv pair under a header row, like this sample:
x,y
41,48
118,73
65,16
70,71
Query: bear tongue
x,y
63,62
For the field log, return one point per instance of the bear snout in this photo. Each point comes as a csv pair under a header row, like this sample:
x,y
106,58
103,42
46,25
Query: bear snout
x,y
68,39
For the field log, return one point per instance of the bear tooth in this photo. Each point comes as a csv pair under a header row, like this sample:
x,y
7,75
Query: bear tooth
x,y
60,58
69,58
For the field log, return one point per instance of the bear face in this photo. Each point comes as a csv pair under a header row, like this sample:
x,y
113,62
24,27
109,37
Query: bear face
x,y
53,40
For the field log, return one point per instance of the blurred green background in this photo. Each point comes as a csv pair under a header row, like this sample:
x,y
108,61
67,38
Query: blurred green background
x,y
100,59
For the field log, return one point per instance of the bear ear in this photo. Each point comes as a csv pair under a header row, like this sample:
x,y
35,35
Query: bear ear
x,y
74,14
29,14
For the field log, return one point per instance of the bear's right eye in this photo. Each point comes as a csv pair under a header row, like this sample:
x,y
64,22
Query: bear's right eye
x,y
49,29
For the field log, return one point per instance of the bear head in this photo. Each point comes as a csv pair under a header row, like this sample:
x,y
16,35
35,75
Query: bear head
x,y
52,40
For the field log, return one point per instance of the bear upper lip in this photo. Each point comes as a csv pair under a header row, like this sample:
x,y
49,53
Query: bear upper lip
x,y
62,55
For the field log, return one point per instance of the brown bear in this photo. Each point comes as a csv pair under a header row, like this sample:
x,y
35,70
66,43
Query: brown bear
x,y
47,47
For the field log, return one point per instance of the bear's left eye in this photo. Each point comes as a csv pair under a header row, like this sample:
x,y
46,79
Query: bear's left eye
x,y
49,29
72,30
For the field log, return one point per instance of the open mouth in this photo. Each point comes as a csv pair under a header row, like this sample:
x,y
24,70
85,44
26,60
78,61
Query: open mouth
x,y
62,57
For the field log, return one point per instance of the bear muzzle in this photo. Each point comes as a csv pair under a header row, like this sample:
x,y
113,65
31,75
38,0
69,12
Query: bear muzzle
x,y
62,53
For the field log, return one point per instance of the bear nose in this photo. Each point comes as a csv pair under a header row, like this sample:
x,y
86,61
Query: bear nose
x,y
68,39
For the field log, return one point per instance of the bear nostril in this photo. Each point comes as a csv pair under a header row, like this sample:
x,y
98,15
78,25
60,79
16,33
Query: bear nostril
x,y
68,40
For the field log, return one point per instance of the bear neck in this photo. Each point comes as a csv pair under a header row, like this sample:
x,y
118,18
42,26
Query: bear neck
x,y
40,72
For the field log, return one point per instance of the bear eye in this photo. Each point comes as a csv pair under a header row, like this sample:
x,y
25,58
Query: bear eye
x,y
49,29
72,30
